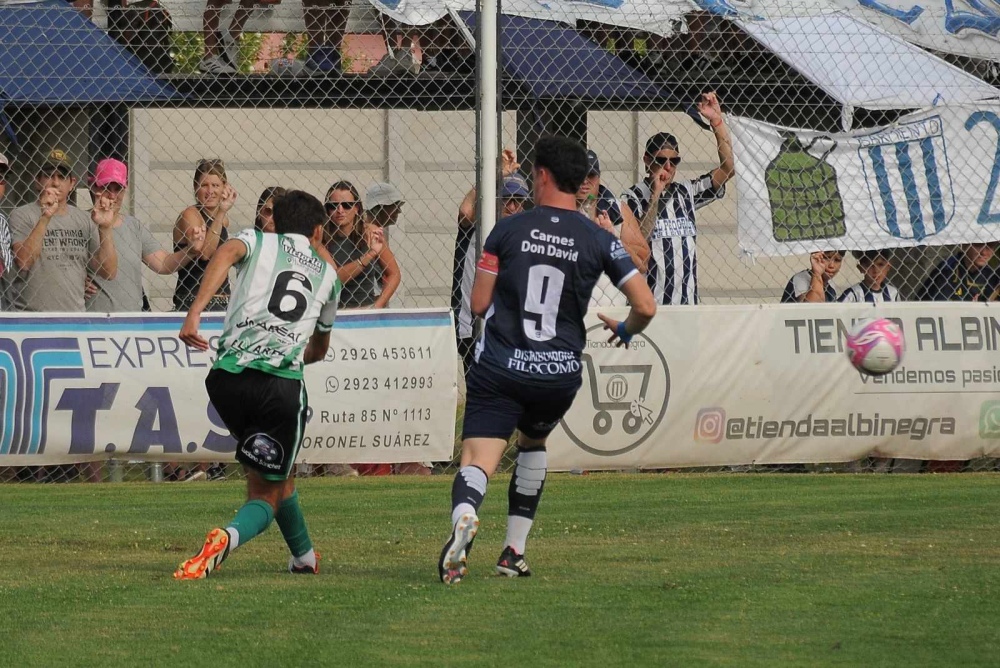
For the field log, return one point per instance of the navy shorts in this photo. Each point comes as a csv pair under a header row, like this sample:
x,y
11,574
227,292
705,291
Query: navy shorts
x,y
496,404
254,404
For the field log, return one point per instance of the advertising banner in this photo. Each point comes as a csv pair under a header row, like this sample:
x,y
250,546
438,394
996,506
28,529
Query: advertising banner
x,y
771,384
929,179
84,388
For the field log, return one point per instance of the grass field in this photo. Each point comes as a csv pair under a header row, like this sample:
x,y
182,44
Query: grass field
x,y
643,570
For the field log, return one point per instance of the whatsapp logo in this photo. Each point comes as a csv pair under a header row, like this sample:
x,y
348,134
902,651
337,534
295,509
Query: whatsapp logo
x,y
989,419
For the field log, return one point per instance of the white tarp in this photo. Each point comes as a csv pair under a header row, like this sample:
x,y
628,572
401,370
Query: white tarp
x,y
861,66
931,178
84,388
770,384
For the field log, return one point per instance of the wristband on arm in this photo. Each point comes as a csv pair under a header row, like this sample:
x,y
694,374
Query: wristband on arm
x,y
623,334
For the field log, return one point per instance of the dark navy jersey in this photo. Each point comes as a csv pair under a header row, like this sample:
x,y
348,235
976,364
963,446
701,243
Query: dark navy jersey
x,y
952,281
547,262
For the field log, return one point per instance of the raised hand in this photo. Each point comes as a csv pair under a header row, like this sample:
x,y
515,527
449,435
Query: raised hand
x,y
603,221
103,214
48,201
228,198
196,240
817,262
659,182
508,162
375,239
709,107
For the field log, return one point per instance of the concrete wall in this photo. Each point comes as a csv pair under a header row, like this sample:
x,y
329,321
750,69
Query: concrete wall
x,y
431,157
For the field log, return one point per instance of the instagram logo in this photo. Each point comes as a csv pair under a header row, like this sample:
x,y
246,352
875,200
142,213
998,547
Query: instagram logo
x,y
709,425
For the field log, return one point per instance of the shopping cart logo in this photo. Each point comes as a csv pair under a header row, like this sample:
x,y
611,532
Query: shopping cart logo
x,y
623,398
27,369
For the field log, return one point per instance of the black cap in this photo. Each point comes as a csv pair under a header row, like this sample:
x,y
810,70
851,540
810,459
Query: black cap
x,y
660,141
593,164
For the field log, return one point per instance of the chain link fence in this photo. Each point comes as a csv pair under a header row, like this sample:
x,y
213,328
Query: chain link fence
x,y
167,127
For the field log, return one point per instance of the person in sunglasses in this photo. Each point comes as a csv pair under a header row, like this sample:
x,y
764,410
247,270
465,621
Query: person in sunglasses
x,y
665,207
358,249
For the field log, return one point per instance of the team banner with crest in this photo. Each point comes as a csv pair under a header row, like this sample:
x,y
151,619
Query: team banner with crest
x,y
930,179
771,384
84,388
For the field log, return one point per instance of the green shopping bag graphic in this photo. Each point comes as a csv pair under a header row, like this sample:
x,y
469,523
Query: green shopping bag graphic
x,y
805,198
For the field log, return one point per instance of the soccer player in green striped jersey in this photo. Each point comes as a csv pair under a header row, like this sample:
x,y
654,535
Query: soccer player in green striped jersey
x,y
279,319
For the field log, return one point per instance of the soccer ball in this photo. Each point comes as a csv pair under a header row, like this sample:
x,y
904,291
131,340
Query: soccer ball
x,y
875,347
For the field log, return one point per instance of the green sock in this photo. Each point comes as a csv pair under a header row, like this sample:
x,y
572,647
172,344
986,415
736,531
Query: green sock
x,y
251,520
293,526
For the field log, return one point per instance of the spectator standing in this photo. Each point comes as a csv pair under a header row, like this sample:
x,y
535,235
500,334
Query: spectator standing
x,y
816,283
135,245
6,254
596,201
55,244
384,205
966,276
357,248
209,217
665,208
514,194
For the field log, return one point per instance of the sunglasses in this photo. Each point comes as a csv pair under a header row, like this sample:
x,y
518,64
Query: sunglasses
x,y
332,206
661,161
266,211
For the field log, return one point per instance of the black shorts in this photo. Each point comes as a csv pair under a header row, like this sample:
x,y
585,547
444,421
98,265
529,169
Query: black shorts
x,y
496,404
265,414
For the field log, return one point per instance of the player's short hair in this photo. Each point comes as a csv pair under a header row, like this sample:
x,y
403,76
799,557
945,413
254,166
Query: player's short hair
x,y
866,258
298,212
566,160
660,141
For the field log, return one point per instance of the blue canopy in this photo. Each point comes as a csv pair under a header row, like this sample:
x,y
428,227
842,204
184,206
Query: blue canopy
x,y
51,54
554,60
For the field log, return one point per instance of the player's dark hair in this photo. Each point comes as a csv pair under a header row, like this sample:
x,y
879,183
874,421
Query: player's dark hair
x,y
866,258
298,212
566,160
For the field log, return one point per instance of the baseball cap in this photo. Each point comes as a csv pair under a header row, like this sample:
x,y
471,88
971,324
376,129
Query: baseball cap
x,y
514,186
383,194
57,159
660,141
593,164
4,162
110,170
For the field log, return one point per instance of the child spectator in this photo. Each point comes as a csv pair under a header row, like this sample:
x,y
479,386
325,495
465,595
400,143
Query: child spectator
x,y
874,287
816,283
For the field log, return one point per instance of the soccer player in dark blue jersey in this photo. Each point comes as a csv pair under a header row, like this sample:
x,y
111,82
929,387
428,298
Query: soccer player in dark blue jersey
x,y
533,283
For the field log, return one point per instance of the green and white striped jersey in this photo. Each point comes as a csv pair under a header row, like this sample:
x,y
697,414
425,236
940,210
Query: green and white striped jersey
x,y
283,292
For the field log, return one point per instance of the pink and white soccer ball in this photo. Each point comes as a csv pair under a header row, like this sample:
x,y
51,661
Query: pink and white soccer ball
x,y
875,347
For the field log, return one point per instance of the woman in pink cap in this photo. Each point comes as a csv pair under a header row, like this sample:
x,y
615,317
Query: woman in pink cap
x,y
134,242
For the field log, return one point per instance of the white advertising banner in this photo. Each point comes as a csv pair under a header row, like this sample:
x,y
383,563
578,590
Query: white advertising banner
x,y
930,179
82,388
771,384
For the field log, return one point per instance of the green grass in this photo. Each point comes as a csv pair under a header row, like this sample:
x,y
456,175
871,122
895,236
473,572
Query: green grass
x,y
636,570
